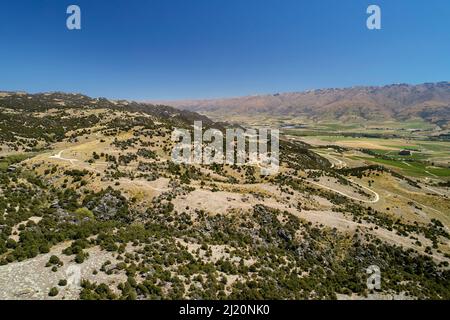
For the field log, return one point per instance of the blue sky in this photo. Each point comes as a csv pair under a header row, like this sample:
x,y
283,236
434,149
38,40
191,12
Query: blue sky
x,y
173,49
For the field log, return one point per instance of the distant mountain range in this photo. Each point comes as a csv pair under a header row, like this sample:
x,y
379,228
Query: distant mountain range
x,y
400,102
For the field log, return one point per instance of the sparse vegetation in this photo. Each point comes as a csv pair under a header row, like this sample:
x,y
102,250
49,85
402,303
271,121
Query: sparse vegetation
x,y
172,231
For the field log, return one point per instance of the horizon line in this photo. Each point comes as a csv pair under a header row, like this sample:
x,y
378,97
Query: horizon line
x,y
159,101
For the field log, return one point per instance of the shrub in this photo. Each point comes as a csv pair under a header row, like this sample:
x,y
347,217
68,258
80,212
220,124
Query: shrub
x,y
53,292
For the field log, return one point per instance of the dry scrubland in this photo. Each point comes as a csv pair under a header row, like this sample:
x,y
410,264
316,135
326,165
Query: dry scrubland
x,y
90,183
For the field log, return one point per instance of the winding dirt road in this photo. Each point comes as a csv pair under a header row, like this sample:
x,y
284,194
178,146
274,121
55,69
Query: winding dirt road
x,y
375,200
142,183
59,157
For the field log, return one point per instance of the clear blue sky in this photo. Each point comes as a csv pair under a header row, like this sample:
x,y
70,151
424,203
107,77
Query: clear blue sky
x,y
171,49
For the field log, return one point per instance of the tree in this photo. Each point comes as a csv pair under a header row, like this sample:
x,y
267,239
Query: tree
x,y
62,282
54,260
53,292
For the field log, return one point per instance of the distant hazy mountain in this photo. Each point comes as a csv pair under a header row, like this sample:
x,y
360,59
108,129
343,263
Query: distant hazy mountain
x,y
429,101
